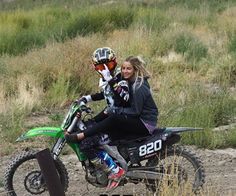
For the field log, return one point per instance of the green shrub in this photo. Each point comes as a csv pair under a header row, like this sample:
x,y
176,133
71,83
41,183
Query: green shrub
x,y
231,138
202,110
214,5
191,47
225,72
232,44
100,20
27,30
161,44
24,41
153,19
210,139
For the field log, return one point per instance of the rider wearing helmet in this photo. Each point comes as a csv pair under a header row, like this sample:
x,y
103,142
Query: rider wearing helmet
x,y
113,89
116,93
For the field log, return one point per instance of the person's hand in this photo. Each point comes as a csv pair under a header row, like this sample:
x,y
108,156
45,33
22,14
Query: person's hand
x,y
85,99
105,73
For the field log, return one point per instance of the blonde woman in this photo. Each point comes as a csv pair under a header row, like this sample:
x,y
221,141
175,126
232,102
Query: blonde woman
x,y
137,119
142,104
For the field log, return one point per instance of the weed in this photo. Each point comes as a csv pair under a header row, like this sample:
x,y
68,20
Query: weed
x,y
60,72
230,139
191,47
232,44
12,124
153,20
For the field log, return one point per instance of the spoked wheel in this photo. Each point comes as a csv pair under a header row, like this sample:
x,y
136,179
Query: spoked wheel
x,y
23,175
34,183
181,170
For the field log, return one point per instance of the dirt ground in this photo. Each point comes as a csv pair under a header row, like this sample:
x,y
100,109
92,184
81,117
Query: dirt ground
x,y
220,166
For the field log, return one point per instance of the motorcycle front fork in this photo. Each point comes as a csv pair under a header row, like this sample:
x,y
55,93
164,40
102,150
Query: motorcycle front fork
x,y
57,148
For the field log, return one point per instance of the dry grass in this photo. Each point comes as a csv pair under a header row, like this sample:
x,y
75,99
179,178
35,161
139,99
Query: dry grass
x,y
50,76
226,20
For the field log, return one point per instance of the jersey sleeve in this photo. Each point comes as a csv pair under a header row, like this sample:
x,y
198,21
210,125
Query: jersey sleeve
x,y
120,88
97,96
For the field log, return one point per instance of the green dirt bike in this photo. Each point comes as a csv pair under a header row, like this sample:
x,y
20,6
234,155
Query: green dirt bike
x,y
151,160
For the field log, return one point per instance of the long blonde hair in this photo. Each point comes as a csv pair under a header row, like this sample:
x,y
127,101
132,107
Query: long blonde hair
x,y
139,70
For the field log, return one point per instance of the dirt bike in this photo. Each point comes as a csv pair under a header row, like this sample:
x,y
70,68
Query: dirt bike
x,y
150,160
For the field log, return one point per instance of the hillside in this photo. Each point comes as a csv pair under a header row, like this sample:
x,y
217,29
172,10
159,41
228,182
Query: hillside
x,y
189,47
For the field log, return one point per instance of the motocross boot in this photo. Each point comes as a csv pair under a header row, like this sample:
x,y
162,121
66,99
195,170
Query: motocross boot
x,y
115,178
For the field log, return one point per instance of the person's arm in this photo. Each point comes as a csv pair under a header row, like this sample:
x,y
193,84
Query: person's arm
x,y
137,102
121,89
100,116
139,97
92,97
117,85
97,96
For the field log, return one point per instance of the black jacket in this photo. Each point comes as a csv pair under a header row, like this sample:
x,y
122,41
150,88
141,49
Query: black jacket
x,y
141,103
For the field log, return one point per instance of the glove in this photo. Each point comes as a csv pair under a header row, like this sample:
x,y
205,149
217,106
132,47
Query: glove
x,y
105,73
85,99
110,110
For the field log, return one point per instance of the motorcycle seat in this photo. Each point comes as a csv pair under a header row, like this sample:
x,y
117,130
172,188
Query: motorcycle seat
x,y
134,139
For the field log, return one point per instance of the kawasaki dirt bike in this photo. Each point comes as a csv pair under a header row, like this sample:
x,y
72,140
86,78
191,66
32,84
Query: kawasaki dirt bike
x,y
150,160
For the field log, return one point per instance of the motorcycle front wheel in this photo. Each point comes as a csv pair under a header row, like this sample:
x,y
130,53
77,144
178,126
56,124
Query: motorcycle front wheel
x,y
182,171
23,175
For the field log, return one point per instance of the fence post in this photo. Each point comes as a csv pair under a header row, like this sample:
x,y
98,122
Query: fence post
x,y
47,166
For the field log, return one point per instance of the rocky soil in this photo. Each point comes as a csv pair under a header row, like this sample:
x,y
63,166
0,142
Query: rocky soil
x,y
220,166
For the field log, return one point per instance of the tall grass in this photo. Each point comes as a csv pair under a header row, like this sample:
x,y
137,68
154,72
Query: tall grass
x,y
232,44
194,105
152,19
191,59
190,47
12,123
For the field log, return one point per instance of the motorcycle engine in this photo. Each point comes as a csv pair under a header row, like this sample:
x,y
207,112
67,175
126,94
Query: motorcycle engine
x,y
95,176
101,177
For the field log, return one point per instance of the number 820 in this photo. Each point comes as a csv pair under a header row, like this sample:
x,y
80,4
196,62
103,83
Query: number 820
x,y
150,148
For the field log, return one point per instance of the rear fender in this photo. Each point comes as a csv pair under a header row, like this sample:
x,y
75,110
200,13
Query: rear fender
x,y
55,132
180,129
172,139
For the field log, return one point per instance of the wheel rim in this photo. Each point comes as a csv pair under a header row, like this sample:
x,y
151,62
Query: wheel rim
x,y
34,183
27,178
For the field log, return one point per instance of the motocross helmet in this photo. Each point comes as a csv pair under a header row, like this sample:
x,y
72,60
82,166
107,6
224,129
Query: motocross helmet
x,y
103,56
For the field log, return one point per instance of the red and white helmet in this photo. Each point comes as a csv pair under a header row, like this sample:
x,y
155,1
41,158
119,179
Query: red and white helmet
x,y
103,56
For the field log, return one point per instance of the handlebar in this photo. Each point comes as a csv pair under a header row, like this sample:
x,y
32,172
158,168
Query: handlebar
x,y
84,107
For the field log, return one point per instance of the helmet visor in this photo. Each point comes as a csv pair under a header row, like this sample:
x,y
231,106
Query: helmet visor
x,y
110,65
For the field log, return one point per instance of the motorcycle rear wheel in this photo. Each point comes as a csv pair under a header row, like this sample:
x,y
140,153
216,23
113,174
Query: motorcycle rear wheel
x,y
23,175
181,170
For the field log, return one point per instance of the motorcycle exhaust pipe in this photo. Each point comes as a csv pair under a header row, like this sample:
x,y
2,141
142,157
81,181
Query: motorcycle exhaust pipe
x,y
143,174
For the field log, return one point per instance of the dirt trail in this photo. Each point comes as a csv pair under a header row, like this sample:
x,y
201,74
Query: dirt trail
x,y
220,166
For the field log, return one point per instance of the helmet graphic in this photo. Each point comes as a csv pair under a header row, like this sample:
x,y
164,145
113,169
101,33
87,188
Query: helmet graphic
x,y
103,56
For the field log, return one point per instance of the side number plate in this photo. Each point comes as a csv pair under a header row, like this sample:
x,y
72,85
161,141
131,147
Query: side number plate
x,y
150,148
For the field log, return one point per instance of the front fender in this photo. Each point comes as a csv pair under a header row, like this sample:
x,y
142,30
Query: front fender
x,y
45,131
